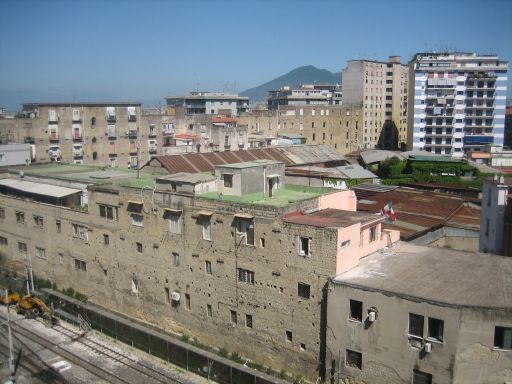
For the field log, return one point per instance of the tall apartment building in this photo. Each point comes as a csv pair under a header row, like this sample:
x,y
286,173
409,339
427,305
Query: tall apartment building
x,y
306,94
380,88
210,103
459,102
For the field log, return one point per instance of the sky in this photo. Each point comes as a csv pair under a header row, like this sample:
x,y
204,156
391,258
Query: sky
x,y
120,50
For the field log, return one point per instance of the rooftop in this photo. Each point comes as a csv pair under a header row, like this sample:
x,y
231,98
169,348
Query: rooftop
x,y
282,197
187,178
331,218
250,164
81,103
424,273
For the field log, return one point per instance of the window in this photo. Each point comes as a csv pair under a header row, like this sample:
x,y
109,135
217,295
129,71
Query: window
x,y
61,258
233,317
228,180
353,359
246,228
419,377
81,232
38,220
415,325
356,310
175,258
248,321
3,240
262,242
135,285
139,247
435,329
41,252
245,276
208,267
22,247
345,244
80,265
108,212
302,346
208,310
304,246
503,337
174,220
207,228
289,336
373,234
187,301
2,213
303,290
106,239
137,219
20,217
58,226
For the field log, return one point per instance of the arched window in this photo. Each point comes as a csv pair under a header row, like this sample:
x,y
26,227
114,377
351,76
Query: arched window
x,y
93,120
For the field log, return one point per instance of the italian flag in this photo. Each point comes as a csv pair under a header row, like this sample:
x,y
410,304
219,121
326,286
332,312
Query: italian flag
x,y
388,212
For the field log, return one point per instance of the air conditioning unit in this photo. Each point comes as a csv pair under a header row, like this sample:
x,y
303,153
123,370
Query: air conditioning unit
x,y
428,347
175,296
372,316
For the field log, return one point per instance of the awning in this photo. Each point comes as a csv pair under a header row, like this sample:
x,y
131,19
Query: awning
x,y
274,175
39,188
244,216
205,213
173,211
134,206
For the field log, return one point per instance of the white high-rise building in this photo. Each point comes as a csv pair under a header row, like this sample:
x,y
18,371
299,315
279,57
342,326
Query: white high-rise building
x,y
459,102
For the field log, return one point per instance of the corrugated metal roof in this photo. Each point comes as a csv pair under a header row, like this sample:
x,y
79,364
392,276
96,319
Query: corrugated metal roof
x,y
327,218
39,188
356,172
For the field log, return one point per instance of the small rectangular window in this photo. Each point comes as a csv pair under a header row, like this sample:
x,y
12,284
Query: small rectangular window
x,y
174,220
41,252
106,239
245,276
2,213
248,321
289,336
108,212
503,337
187,301
245,227
304,246
81,232
228,180
303,290
208,267
22,247
3,240
80,265
373,234
20,217
416,325
167,295
233,315
435,329
139,247
175,257
137,219
38,221
419,377
353,359
61,258
135,286
356,310
208,310
58,226
207,228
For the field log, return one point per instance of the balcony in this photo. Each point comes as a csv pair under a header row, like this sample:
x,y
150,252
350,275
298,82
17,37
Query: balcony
x,y
152,149
132,118
54,137
111,119
132,133
78,151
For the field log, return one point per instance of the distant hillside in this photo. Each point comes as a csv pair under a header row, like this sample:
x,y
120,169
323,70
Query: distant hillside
x,y
307,74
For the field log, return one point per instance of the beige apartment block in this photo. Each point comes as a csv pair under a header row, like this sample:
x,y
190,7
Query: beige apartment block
x,y
337,126
380,89
235,272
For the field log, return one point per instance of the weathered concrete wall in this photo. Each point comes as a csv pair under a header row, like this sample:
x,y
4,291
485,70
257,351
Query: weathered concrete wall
x,y
389,354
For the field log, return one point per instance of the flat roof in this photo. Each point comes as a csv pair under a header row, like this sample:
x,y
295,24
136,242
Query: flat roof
x,y
188,178
439,275
329,218
249,164
82,103
39,188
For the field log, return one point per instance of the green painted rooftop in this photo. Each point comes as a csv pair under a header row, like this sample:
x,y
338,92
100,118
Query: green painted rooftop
x,y
282,196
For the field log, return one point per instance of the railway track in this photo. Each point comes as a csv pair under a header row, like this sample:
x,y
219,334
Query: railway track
x,y
124,369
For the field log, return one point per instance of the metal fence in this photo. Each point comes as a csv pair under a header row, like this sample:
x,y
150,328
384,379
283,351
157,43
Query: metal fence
x,y
163,346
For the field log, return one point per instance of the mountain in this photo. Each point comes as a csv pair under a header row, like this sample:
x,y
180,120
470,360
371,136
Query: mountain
x,y
307,74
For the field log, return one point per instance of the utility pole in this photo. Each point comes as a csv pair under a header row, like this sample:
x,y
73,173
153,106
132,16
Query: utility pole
x,y
138,159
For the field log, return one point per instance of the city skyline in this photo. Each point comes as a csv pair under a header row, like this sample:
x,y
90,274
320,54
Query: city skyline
x,y
145,51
